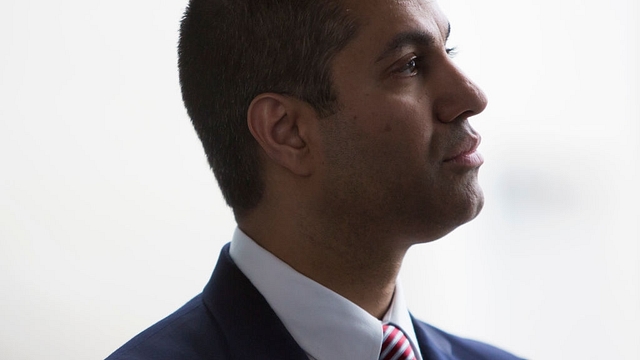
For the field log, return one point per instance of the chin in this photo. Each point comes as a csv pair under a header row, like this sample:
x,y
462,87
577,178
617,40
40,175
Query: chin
x,y
470,207
476,206
453,214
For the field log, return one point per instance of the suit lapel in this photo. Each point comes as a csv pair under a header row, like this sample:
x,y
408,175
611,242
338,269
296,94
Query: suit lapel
x,y
433,346
251,328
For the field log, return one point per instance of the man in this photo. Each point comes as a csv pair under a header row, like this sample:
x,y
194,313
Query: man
x,y
338,132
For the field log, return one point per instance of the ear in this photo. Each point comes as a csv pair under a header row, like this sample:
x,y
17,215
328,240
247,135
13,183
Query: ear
x,y
281,124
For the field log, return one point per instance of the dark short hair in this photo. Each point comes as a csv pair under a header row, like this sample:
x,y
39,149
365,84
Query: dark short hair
x,y
230,51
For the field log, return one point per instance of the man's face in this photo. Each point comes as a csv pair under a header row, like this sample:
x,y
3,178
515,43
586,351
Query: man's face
x,y
399,154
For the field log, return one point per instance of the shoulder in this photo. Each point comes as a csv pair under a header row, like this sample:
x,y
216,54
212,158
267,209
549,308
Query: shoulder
x,y
458,347
191,332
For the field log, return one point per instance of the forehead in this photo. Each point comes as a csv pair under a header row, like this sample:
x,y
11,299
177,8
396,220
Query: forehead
x,y
382,19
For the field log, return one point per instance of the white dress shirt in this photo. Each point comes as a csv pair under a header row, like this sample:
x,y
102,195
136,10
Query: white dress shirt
x,y
326,325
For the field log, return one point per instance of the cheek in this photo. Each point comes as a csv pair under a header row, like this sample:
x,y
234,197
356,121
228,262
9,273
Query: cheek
x,y
379,114
401,124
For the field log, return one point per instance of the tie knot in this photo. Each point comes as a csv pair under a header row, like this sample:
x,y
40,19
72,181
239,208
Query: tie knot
x,y
395,345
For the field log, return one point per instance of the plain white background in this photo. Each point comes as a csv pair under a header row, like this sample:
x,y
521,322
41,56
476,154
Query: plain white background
x,y
110,218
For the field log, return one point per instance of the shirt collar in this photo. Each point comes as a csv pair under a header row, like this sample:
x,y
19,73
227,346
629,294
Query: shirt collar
x,y
398,314
324,324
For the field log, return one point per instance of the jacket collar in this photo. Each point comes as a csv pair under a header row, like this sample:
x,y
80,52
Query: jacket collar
x,y
250,327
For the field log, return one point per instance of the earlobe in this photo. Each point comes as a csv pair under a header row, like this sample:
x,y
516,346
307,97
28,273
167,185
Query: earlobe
x,y
276,122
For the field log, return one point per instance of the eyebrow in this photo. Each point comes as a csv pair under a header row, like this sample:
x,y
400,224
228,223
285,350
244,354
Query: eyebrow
x,y
418,38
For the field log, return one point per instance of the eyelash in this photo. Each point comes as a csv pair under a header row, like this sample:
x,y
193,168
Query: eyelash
x,y
417,61
413,64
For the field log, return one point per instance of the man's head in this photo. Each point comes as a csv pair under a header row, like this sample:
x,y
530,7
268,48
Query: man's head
x,y
360,119
230,51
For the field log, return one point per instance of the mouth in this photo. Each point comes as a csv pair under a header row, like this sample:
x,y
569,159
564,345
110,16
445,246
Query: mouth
x,y
466,154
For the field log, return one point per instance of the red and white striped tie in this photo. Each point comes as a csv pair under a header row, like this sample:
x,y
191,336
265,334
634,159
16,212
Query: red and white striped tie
x,y
395,345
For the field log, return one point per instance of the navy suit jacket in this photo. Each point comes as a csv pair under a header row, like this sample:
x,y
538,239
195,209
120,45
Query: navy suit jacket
x,y
230,319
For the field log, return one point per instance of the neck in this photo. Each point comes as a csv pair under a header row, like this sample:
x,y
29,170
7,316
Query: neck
x,y
360,266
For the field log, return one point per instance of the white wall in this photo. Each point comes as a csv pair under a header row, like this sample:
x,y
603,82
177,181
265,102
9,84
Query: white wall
x,y
110,218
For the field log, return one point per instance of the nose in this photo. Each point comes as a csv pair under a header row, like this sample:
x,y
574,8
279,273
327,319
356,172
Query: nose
x,y
457,97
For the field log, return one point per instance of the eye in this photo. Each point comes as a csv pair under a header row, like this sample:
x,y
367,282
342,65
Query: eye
x,y
410,68
451,51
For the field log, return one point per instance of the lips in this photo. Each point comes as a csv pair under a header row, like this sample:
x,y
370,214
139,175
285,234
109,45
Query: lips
x,y
466,153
